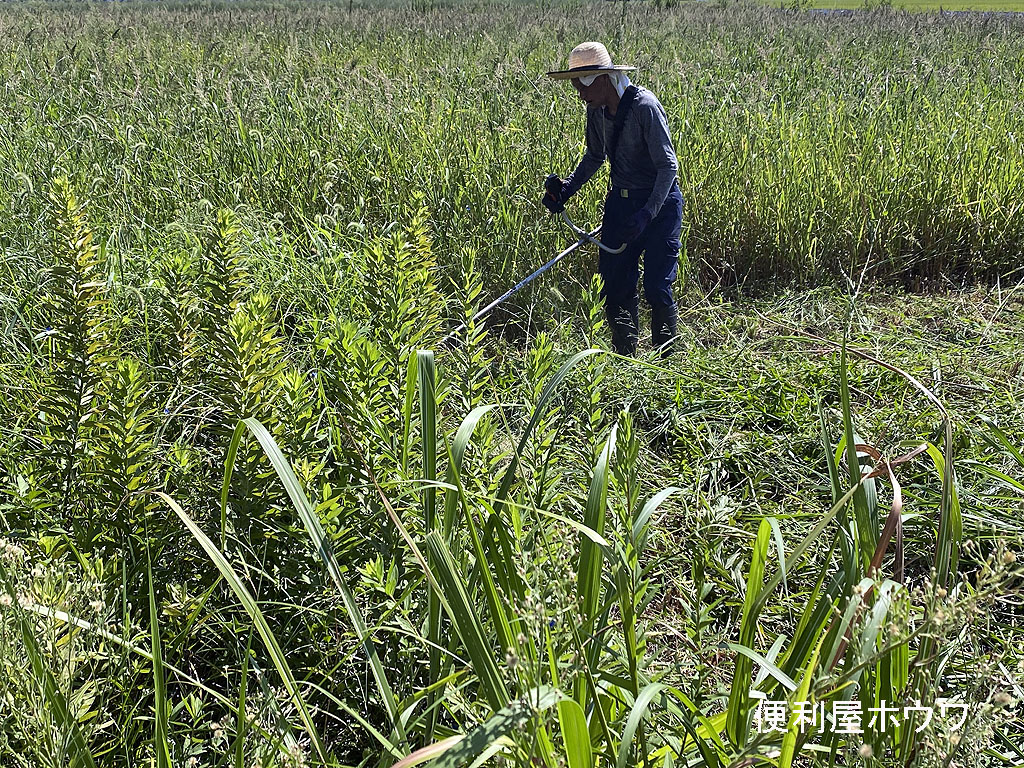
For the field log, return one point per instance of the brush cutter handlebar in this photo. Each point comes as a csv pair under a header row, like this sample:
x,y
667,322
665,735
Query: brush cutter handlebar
x,y
588,237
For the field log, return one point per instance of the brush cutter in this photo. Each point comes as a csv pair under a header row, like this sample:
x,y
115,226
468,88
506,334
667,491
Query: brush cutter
x,y
584,238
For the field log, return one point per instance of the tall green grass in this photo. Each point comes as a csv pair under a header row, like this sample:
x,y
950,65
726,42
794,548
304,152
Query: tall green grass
x,y
493,597
255,512
811,148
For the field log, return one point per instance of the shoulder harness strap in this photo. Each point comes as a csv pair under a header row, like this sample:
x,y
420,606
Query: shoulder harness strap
x,y
620,120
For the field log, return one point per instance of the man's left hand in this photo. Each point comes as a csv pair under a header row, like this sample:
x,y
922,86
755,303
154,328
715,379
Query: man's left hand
x,y
636,225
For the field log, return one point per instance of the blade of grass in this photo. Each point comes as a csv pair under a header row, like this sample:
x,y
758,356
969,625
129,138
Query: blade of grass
x,y
846,545
458,452
704,736
1001,441
225,489
789,741
588,578
867,530
467,622
950,531
588,582
798,552
161,712
428,433
249,604
780,549
323,548
429,752
411,371
240,722
767,668
485,561
739,695
428,439
575,735
636,715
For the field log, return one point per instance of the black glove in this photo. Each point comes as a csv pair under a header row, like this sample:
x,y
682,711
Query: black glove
x,y
636,225
553,199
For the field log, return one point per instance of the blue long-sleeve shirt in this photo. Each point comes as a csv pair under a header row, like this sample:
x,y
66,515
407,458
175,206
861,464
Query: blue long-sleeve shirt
x,y
644,158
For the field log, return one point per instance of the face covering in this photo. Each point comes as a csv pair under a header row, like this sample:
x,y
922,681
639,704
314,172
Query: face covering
x,y
621,82
619,79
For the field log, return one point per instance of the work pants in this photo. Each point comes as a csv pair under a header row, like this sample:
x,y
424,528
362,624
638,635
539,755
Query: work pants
x,y
659,245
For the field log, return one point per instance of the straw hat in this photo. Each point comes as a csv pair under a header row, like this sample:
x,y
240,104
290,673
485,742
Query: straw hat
x,y
588,59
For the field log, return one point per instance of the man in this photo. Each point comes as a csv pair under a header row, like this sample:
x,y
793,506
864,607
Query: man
x,y
644,205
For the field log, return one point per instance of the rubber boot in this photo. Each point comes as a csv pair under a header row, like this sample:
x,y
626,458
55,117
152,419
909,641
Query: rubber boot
x,y
664,326
623,323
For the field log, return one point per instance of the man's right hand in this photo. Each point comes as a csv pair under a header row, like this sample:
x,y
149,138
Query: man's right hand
x,y
552,199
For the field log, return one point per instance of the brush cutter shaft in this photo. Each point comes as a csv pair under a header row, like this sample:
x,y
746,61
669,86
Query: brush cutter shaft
x,y
584,238
589,236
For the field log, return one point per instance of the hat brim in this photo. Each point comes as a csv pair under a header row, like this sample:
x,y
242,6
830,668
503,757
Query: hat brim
x,y
569,74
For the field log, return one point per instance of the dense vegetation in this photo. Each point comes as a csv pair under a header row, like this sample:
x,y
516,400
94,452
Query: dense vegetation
x,y
261,507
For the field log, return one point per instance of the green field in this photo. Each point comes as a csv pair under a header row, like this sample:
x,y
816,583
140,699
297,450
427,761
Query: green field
x,y
270,496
